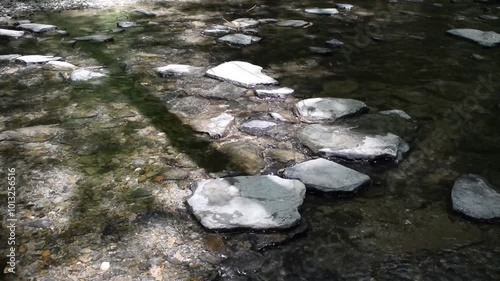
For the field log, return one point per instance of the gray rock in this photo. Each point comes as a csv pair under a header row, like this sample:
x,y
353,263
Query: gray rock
x,y
216,126
9,57
216,30
84,75
41,223
98,38
273,92
36,59
39,133
478,57
346,7
475,198
241,74
138,162
179,70
348,143
255,202
245,23
327,109
37,27
322,11
11,33
488,17
264,21
224,91
293,23
244,156
320,50
327,176
189,106
335,43
61,65
126,24
143,12
485,39
396,112
258,127
240,39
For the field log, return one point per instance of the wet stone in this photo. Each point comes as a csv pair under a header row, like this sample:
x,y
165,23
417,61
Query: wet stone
x,y
328,109
346,7
224,91
284,155
320,50
9,58
240,39
189,106
126,24
36,59
98,38
244,23
39,133
42,223
61,65
322,11
483,38
335,43
396,112
216,31
258,127
346,142
473,196
85,75
143,12
179,70
37,27
265,21
488,17
273,92
255,202
244,157
327,176
175,174
216,126
293,23
241,74
11,33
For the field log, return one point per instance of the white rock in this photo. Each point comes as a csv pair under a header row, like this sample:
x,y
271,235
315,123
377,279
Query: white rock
x,y
11,33
240,39
178,70
273,92
327,109
84,75
346,7
320,11
126,24
105,266
396,112
327,176
9,57
37,27
483,38
293,23
61,65
217,126
474,197
245,23
241,74
36,59
256,202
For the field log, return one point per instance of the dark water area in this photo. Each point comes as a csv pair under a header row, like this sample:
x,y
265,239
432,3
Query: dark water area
x,y
397,56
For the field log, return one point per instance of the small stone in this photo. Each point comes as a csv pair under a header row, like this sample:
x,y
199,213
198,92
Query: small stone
x,y
105,266
488,17
178,70
126,24
46,253
61,65
42,223
11,33
36,27
396,112
240,39
216,30
346,7
143,12
483,38
273,92
98,38
257,127
216,126
84,75
36,59
335,43
320,50
293,23
141,192
244,23
328,109
320,11
138,162
476,198
270,20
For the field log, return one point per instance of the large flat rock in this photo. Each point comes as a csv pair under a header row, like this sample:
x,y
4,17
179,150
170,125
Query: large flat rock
x,y
217,126
348,143
327,176
84,75
322,11
483,38
37,27
255,202
475,198
241,73
224,91
328,109
11,33
36,59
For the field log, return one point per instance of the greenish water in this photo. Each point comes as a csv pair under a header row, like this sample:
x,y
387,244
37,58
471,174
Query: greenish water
x,y
400,228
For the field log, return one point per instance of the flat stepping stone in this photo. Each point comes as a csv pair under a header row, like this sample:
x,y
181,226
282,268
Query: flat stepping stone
x,y
258,127
273,92
474,197
328,109
244,23
98,38
143,12
348,143
9,57
126,24
36,59
11,33
241,73
293,23
224,91
216,31
346,7
61,65
396,112
266,21
178,70
215,126
84,75
320,50
335,43
254,202
240,39
37,27
322,11
483,38
327,176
